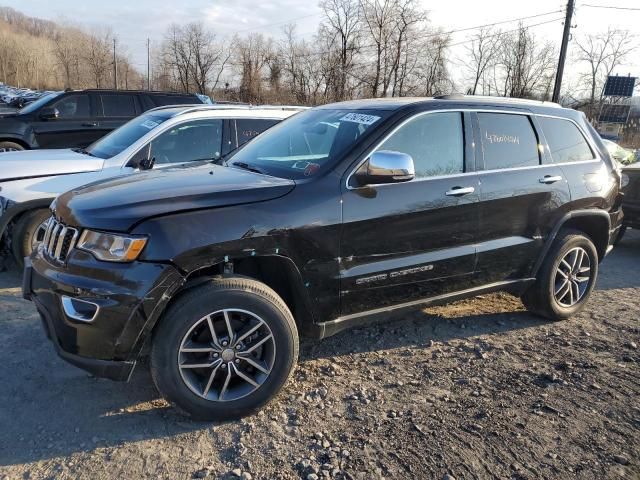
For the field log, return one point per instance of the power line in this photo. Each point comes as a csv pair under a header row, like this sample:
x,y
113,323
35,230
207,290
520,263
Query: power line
x,y
611,7
361,47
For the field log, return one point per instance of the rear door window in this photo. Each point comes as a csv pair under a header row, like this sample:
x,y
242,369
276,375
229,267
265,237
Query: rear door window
x,y
508,141
118,105
248,128
566,142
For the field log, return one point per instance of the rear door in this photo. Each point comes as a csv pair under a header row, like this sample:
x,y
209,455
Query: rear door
x,y
115,109
408,241
521,195
74,126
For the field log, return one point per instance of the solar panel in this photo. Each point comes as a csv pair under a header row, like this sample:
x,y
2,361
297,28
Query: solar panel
x,y
614,113
619,86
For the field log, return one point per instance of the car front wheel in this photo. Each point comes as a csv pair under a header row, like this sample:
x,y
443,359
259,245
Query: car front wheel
x,y
224,349
29,233
565,279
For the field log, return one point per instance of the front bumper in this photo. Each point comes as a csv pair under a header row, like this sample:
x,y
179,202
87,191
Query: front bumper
x,y
131,297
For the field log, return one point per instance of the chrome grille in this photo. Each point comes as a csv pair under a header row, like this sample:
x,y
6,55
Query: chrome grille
x,y
59,240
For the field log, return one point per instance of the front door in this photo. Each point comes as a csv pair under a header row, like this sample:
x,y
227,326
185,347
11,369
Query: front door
x,y
408,241
74,127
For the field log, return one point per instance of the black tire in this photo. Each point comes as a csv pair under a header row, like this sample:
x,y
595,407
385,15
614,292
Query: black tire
x,y
621,232
10,146
237,293
27,227
540,298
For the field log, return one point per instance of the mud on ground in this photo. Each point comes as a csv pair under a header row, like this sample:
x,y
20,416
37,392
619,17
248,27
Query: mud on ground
x,y
476,389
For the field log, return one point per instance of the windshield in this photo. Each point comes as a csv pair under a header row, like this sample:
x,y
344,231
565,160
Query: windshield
x,y
306,143
33,106
119,139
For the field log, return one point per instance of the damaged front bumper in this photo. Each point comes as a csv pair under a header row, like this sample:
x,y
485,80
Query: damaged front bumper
x,y
97,314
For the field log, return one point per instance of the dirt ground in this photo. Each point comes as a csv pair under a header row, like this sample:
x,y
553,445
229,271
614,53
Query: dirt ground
x,y
476,389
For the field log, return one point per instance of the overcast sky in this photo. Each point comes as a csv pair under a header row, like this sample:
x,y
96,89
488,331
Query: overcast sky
x,y
135,20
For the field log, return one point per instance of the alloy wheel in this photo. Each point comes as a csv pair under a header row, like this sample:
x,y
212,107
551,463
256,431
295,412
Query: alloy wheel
x,y
9,149
572,277
226,355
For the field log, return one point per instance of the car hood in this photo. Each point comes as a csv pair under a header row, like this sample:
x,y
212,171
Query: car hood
x,y
632,167
118,204
43,163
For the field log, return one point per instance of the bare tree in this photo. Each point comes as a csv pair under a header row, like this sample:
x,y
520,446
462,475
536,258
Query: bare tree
x,y
526,67
252,56
99,58
341,30
482,53
602,53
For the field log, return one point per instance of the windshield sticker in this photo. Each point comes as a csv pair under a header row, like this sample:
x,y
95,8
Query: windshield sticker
x,y
360,118
149,124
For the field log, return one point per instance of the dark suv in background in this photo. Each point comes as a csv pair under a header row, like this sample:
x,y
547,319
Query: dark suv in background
x,y
337,215
77,118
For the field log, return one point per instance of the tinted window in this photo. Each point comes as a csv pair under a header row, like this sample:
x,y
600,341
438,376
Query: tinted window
x,y
161,100
247,128
508,141
187,142
434,141
118,105
73,106
566,143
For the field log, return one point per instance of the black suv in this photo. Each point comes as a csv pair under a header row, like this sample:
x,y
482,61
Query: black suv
x,y
77,118
339,214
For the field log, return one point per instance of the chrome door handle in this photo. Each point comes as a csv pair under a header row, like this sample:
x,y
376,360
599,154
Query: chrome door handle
x,y
550,179
459,191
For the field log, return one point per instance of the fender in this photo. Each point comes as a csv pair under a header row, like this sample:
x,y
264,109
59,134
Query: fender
x,y
16,209
554,233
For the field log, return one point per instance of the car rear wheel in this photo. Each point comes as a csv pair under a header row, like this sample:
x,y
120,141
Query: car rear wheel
x,y
224,349
29,233
566,278
10,147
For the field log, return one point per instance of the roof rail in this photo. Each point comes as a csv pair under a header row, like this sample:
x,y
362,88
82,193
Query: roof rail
x,y
522,101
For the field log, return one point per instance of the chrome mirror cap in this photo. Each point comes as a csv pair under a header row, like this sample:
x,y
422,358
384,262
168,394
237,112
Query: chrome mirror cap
x,y
385,166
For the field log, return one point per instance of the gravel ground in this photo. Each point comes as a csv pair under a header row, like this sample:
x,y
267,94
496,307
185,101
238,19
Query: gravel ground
x,y
476,389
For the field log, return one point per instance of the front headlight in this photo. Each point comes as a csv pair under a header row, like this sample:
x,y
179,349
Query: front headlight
x,y
111,247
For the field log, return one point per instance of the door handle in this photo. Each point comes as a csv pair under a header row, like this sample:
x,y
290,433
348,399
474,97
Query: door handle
x,y
459,191
550,179
90,124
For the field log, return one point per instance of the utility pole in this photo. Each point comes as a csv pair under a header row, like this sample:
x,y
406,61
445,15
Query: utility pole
x,y
148,65
115,66
563,50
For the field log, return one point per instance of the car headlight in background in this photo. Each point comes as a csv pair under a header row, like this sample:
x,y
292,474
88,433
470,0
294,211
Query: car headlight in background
x,y
111,247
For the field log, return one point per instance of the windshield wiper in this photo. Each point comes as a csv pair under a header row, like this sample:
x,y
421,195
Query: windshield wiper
x,y
246,166
82,150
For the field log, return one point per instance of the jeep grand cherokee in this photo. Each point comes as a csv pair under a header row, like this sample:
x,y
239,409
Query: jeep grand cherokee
x,y
336,215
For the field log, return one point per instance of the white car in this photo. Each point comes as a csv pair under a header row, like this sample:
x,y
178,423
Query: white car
x,y
160,138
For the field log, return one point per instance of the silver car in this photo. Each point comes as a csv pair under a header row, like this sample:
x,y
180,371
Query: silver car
x,y
160,138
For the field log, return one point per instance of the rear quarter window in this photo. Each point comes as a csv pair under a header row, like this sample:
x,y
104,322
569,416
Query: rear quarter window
x,y
566,142
508,141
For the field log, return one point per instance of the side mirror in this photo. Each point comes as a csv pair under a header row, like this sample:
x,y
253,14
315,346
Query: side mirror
x,y
386,166
49,113
143,160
